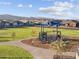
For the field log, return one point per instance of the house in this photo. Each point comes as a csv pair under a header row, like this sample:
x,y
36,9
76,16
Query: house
x,y
2,24
55,22
24,21
44,23
7,24
18,24
71,23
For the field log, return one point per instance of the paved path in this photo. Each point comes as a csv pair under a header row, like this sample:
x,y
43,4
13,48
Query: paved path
x,y
38,53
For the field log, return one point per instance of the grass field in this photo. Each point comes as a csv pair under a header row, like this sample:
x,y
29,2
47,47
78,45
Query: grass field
x,y
13,52
21,33
70,32
28,32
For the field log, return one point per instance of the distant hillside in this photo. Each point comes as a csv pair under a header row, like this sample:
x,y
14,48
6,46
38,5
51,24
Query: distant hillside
x,y
8,17
14,18
11,17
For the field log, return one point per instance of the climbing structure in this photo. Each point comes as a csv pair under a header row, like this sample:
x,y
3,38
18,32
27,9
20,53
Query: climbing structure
x,y
44,37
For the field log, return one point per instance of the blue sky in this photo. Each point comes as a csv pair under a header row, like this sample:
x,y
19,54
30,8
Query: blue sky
x,y
41,8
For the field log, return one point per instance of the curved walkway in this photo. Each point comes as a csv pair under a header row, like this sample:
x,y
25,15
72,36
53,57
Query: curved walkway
x,y
38,53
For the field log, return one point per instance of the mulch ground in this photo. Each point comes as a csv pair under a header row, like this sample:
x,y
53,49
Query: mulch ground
x,y
37,43
75,48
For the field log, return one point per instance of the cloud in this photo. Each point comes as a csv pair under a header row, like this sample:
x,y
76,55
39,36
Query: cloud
x,y
24,6
20,5
5,3
64,4
59,9
30,5
48,0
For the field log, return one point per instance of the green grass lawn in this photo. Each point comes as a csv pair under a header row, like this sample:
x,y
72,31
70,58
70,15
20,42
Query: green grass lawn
x,y
28,32
70,32
21,33
13,52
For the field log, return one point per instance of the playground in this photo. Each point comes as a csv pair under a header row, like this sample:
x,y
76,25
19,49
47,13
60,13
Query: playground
x,y
30,36
40,37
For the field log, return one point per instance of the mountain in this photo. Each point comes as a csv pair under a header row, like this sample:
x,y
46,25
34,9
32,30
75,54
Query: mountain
x,y
11,17
8,17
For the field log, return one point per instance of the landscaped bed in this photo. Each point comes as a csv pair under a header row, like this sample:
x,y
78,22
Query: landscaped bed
x,y
72,46
36,43
13,52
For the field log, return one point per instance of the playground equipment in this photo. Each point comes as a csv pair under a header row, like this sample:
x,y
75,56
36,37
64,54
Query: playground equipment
x,y
44,37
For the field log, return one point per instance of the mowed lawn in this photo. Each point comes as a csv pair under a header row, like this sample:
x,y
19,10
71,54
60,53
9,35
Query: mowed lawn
x,y
29,32
20,33
70,32
13,52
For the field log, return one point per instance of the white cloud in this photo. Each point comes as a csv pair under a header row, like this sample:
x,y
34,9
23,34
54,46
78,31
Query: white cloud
x,y
20,5
59,9
64,4
65,14
24,6
48,0
5,3
30,5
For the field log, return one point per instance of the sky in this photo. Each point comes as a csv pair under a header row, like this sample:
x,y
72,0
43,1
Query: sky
x,y
65,9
